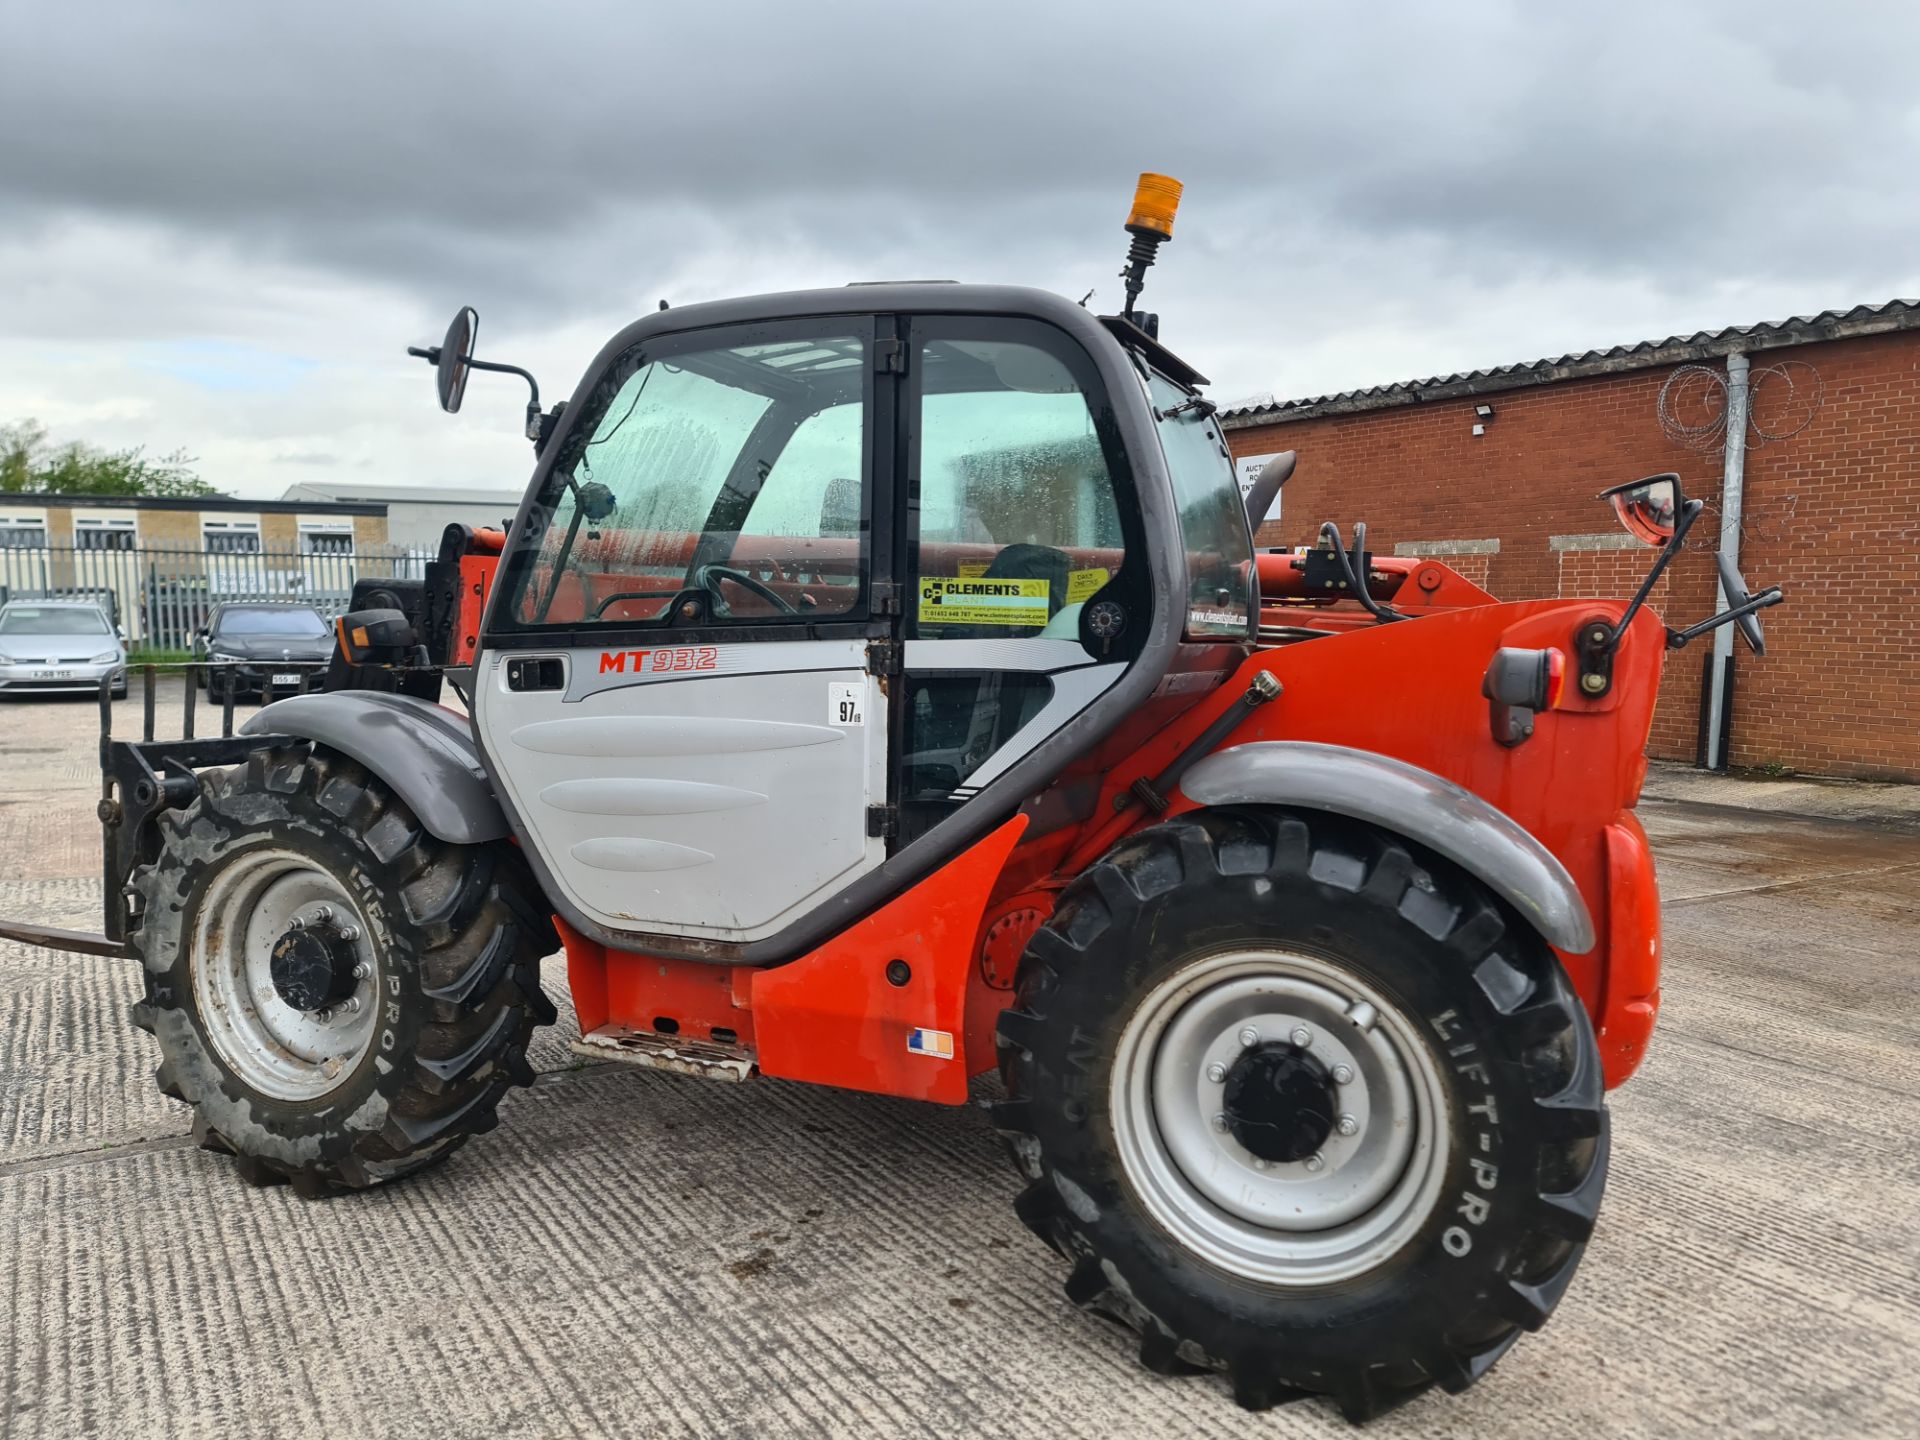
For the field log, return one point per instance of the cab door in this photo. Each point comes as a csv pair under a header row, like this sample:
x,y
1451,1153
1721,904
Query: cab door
x,y
680,691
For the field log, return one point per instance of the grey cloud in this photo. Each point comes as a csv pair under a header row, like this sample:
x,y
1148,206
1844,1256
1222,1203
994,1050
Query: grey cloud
x,y
1420,175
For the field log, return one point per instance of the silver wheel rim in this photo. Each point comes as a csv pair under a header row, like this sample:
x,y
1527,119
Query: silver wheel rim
x,y
272,1047
1327,1217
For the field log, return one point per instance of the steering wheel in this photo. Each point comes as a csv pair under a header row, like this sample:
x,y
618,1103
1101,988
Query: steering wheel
x,y
708,578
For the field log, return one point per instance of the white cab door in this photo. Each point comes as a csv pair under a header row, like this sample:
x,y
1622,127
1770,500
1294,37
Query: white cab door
x,y
719,793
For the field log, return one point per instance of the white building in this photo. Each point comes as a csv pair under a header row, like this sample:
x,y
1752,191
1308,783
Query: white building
x,y
416,514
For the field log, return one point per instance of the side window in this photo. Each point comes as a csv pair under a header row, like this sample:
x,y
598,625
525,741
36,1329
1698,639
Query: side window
x,y
1019,524
733,472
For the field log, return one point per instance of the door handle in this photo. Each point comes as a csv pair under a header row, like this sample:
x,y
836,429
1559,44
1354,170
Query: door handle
x,y
542,672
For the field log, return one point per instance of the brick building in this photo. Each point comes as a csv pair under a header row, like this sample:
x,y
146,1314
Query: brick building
x,y
1831,512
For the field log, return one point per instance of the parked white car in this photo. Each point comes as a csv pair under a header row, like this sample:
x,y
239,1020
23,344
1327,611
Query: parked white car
x,y
59,645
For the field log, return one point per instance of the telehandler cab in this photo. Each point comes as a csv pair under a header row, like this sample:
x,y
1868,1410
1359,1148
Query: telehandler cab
x,y
879,687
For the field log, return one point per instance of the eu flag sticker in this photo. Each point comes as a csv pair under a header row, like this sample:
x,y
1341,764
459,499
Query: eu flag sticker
x,y
937,1043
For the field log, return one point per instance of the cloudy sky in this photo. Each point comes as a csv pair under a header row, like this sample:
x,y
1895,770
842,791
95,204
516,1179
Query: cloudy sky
x,y
221,224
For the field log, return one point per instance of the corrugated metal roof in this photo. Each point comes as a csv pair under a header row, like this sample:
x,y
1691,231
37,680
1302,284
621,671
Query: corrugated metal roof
x,y
1674,350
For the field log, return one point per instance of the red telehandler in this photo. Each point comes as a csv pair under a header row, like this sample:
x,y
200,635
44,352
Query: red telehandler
x,y
879,687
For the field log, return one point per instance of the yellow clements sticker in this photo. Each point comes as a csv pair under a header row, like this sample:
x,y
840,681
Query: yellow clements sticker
x,y
983,602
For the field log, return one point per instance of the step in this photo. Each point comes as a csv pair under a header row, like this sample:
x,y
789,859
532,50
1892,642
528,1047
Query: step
x,y
679,1053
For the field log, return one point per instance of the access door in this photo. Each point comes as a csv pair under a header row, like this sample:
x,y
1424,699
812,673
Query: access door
x,y
678,690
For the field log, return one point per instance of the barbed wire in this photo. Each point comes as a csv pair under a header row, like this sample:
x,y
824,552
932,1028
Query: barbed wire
x,y
1692,406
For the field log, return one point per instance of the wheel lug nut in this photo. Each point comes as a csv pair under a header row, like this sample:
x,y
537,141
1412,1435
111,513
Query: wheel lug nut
x,y
1347,1125
1220,1123
323,1014
362,970
322,914
1216,1072
1301,1037
1343,1074
298,922
1261,1165
1316,1163
1249,1037
349,932
351,1004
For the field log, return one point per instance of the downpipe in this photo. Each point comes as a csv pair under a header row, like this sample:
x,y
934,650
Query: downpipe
x,y
1732,501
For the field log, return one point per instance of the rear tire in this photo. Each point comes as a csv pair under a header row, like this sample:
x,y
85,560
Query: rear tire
x,y
1365,1265
428,985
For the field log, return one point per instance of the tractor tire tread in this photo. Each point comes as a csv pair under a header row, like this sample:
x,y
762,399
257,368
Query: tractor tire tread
x,y
1522,982
474,923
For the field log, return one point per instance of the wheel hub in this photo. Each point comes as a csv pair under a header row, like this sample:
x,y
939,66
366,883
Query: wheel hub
x,y
283,967
1280,1102
1279,1115
313,968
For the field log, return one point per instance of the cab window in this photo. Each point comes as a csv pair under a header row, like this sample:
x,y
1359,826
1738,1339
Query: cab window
x,y
734,474
1019,521
1212,516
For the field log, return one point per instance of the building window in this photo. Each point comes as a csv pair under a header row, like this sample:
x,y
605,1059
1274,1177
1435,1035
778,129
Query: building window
x,y
231,537
326,537
22,532
91,533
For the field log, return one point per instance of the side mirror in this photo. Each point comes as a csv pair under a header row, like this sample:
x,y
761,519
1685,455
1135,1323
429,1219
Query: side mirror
x,y
1648,509
456,354
1748,624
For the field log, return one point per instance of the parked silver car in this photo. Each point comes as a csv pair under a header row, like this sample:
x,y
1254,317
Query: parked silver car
x,y
59,645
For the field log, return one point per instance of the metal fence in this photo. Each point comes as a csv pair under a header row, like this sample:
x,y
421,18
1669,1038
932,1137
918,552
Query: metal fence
x,y
159,595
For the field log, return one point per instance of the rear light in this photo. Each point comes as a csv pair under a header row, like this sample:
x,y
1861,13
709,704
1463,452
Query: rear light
x,y
1556,679
1530,678
1518,684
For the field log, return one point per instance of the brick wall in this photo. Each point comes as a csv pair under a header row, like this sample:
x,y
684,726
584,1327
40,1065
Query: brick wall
x,y
1832,515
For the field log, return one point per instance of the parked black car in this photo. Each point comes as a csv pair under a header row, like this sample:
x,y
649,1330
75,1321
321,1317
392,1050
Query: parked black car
x,y
254,643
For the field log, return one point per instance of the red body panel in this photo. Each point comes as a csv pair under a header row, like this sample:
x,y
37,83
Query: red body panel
x,y
833,1016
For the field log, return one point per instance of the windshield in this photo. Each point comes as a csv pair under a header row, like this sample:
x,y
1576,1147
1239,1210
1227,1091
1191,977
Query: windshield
x,y
1213,518
53,620
729,474
299,624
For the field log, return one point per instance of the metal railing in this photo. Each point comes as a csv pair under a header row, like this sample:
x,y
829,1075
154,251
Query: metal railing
x,y
159,595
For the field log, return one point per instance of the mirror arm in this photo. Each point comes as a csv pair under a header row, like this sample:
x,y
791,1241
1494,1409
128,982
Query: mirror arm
x,y
431,354
1772,595
1688,515
532,429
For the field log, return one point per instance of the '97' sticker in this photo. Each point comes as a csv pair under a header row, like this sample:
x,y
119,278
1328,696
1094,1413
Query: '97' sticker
x,y
846,704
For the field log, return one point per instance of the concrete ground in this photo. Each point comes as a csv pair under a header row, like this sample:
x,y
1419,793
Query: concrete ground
x,y
641,1254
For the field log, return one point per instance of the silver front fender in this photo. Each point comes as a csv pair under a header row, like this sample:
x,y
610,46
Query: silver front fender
x,y
1409,801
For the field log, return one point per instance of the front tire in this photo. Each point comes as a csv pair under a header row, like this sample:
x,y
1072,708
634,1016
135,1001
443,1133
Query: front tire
x,y
341,998
1301,1106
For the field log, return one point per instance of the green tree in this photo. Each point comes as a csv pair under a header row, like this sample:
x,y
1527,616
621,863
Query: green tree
x,y
29,462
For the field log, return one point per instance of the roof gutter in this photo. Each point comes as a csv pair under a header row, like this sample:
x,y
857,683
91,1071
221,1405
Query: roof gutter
x,y
1864,320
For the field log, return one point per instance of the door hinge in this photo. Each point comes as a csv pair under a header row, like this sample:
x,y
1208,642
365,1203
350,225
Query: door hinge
x,y
883,821
886,598
885,657
890,356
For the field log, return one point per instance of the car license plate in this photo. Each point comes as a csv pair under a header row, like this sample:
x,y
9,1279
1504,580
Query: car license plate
x,y
52,675
285,679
